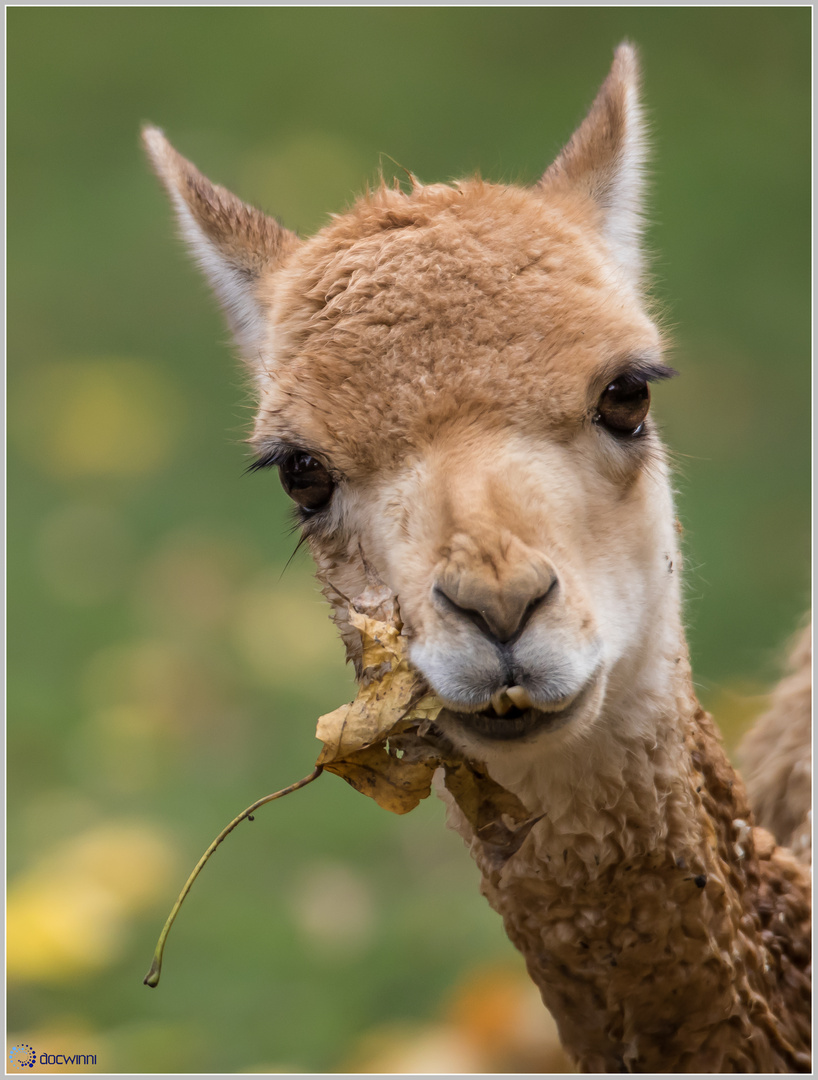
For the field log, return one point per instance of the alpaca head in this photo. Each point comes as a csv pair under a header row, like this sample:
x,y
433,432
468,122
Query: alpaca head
x,y
454,385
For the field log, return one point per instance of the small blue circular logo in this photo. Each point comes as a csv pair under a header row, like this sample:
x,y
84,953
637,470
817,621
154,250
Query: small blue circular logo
x,y
22,1056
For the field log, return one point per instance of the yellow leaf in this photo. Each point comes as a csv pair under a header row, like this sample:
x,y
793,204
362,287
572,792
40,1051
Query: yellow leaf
x,y
375,742
370,717
355,736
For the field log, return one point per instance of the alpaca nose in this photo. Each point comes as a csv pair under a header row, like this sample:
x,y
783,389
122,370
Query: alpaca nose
x,y
502,607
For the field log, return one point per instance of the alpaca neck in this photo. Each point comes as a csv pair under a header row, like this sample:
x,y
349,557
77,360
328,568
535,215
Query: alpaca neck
x,y
658,925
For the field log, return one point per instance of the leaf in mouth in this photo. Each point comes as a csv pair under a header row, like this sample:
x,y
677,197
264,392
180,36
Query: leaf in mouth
x,y
390,702
375,743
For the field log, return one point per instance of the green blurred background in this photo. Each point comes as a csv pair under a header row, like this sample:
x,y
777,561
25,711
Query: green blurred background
x,y
163,672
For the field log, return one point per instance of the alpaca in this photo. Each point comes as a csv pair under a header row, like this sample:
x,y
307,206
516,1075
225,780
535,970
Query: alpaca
x,y
775,755
454,385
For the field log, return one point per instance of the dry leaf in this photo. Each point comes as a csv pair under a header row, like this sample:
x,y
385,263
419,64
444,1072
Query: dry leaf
x,y
356,736
388,687
375,742
393,784
497,816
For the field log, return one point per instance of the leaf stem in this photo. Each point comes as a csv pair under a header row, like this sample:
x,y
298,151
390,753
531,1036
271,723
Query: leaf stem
x,y
152,978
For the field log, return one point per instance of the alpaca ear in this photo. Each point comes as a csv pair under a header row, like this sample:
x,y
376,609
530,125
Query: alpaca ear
x,y
605,160
233,243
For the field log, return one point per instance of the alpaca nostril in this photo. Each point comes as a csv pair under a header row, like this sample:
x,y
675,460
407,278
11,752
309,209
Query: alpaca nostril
x,y
500,616
535,605
472,614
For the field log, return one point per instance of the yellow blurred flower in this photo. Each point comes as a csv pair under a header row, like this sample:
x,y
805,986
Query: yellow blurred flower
x,y
69,912
96,417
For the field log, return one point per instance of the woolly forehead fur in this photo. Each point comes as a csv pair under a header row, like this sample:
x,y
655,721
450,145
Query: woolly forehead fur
x,y
476,303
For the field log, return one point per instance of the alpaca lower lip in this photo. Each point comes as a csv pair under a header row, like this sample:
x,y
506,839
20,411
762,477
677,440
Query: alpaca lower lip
x,y
517,723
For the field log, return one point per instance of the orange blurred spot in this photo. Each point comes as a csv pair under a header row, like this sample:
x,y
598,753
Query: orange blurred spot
x,y
485,1007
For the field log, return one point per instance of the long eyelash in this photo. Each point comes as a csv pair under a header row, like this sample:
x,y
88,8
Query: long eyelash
x,y
653,372
270,459
634,369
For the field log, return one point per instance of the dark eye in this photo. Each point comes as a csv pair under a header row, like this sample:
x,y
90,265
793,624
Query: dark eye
x,y
306,481
623,406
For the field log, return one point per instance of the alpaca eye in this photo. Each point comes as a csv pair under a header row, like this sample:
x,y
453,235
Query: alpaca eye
x,y
306,481
623,406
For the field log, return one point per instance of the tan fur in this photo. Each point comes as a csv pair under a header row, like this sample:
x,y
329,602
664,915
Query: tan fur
x,y
443,353
776,755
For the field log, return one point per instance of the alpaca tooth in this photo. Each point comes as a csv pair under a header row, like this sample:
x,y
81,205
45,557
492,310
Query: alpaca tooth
x,y
519,697
501,702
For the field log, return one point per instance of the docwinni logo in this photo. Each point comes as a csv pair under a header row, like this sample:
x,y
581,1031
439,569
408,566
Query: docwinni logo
x,y
22,1056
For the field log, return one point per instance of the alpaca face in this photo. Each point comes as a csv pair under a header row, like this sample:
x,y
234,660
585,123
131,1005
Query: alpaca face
x,y
445,358
453,385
